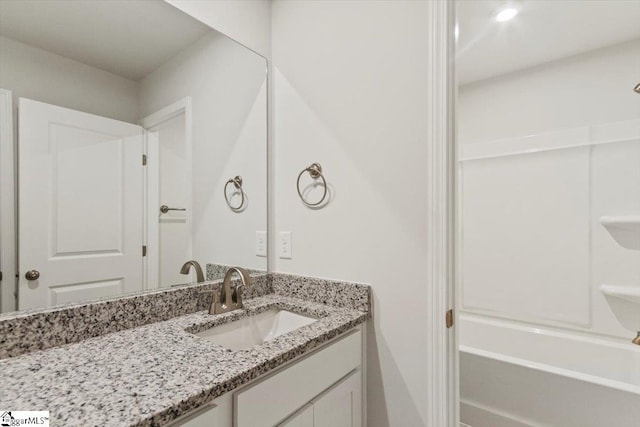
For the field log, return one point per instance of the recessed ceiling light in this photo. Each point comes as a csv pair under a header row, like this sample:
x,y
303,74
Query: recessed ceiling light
x,y
506,14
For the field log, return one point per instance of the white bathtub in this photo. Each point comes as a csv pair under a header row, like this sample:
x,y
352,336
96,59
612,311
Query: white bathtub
x,y
514,376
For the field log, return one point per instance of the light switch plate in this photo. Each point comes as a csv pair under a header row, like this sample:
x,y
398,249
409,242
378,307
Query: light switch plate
x,y
284,245
261,243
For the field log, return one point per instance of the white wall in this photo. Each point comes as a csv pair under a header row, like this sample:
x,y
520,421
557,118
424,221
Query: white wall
x,y
351,93
227,85
591,88
540,211
37,74
246,21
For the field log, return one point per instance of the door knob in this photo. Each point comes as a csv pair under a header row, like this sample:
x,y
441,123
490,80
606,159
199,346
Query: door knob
x,y
32,275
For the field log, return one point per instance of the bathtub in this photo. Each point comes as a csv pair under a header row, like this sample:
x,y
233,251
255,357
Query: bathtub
x,y
514,376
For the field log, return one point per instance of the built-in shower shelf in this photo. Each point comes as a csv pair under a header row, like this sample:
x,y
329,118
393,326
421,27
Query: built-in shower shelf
x,y
629,293
625,229
625,304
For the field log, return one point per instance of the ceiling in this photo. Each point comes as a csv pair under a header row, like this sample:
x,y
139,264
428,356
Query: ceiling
x,y
543,31
129,38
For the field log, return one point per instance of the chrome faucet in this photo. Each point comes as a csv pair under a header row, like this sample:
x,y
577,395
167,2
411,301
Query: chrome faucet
x,y
187,266
230,297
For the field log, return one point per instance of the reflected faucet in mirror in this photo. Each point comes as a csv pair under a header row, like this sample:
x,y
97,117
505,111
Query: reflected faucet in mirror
x,y
195,264
229,297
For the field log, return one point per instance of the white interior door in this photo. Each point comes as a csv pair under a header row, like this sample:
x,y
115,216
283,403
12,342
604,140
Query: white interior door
x,y
173,225
80,205
168,184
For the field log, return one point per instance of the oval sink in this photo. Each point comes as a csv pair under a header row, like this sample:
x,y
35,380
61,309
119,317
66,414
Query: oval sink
x,y
254,330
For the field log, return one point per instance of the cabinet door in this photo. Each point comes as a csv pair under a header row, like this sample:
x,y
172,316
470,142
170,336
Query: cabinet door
x,y
302,418
341,405
271,400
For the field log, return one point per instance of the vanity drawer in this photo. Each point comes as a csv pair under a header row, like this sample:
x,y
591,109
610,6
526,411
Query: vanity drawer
x,y
274,398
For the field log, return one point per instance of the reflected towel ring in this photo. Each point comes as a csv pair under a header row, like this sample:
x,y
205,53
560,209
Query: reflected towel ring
x,y
315,171
237,182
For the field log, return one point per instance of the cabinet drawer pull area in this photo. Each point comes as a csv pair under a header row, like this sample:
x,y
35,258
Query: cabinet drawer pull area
x,y
199,417
273,399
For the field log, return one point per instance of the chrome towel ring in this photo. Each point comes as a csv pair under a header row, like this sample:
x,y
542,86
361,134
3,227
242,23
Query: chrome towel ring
x,y
237,182
315,171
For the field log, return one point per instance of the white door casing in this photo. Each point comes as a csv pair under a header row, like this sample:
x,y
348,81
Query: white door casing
x,y
80,205
7,204
442,358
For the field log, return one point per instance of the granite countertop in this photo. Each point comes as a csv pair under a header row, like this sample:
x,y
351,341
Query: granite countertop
x,y
152,374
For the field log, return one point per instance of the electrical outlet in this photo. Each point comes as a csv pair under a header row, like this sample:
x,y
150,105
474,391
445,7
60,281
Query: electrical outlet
x,y
284,245
261,243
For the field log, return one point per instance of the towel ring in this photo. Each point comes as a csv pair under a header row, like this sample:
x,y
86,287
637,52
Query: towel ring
x,y
237,182
315,171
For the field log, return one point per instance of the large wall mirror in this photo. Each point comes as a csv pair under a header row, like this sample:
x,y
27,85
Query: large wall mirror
x,y
128,148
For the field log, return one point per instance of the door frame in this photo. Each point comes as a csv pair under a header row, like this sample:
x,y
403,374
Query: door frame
x,y
151,234
440,164
8,242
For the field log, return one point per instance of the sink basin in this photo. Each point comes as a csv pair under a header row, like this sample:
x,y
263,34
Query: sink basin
x,y
253,330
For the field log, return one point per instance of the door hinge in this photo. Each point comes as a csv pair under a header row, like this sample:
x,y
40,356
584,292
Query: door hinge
x,y
449,318
0,276
144,250
144,160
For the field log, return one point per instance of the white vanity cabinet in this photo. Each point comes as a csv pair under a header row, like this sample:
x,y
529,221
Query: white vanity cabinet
x,y
302,418
322,389
340,406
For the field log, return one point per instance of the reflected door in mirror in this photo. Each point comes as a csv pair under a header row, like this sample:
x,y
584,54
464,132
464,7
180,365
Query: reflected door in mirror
x,y
80,205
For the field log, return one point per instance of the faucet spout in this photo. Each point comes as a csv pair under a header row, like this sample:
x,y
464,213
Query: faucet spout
x,y
187,266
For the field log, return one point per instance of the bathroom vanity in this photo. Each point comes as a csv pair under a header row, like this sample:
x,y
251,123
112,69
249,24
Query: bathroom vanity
x,y
293,356
323,388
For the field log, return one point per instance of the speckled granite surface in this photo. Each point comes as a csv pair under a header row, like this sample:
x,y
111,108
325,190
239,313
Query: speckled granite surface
x,y
32,330
356,296
217,271
151,374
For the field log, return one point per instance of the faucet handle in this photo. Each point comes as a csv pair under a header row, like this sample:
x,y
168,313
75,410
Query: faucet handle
x,y
209,291
215,301
236,296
